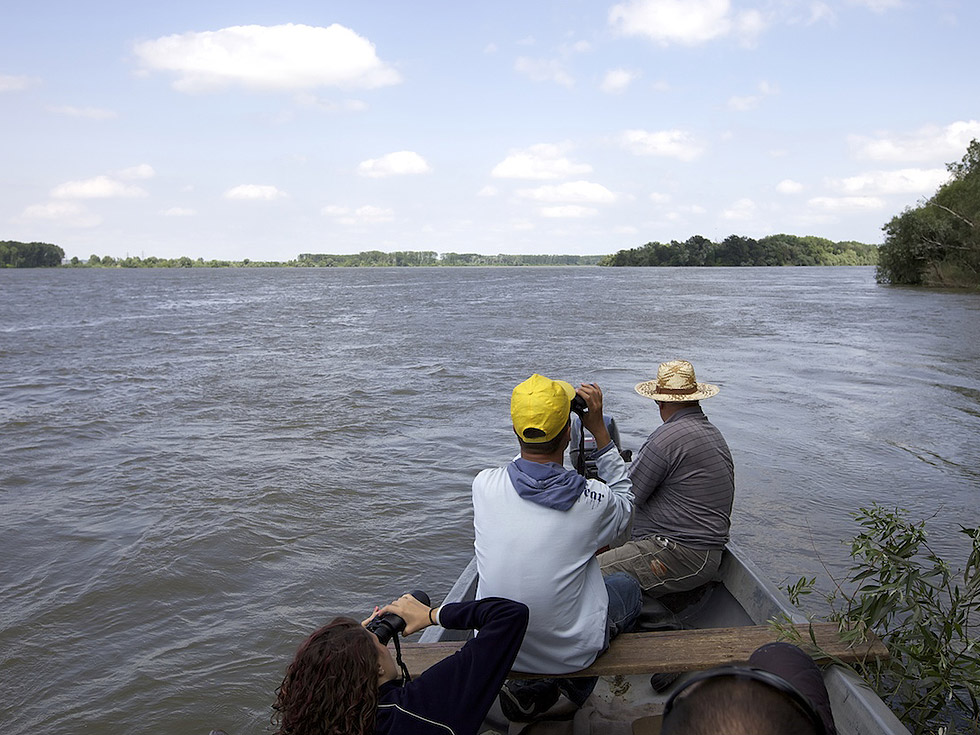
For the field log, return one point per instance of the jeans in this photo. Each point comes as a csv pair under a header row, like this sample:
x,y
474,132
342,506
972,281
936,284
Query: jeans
x,y
625,604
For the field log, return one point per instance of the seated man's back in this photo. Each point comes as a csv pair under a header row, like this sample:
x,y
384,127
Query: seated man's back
x,y
538,527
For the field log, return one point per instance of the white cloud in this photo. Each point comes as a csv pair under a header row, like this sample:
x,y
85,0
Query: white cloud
x,y
544,70
820,11
750,102
617,81
366,214
142,171
903,181
487,191
568,211
658,198
743,209
741,104
678,144
99,187
788,186
571,192
277,57
931,143
254,192
686,22
374,214
311,100
543,161
70,214
178,212
14,84
399,163
90,113
878,6
847,204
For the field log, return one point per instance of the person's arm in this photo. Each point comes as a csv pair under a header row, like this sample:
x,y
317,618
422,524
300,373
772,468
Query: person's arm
x,y
619,512
648,470
459,690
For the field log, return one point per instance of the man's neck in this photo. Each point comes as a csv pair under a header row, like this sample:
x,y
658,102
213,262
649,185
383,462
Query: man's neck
x,y
556,457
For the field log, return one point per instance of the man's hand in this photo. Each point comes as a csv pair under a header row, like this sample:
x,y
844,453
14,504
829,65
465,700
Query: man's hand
x,y
592,419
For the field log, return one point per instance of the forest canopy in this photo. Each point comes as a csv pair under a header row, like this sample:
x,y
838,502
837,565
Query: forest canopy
x,y
938,242
29,254
736,250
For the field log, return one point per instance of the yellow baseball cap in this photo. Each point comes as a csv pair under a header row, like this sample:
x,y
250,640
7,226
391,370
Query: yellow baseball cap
x,y
539,408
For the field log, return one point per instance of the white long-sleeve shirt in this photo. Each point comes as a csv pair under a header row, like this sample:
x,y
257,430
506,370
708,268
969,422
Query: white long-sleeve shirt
x,y
545,558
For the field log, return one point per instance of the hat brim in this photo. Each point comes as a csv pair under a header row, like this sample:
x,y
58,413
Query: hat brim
x,y
648,389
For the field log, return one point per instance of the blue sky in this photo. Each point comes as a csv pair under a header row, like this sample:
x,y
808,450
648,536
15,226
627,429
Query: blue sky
x,y
264,130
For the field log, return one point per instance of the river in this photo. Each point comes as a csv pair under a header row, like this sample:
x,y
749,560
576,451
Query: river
x,y
198,467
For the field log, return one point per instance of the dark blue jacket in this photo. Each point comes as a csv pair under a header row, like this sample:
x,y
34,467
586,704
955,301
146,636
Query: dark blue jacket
x,y
454,696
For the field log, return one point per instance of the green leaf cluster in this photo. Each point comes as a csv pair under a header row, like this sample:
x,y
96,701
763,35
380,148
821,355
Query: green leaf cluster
x,y
29,254
923,610
736,250
938,242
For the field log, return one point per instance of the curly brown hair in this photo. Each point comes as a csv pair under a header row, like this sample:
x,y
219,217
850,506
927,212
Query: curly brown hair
x,y
331,686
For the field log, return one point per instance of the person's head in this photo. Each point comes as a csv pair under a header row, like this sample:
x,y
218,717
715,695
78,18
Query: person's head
x,y
331,685
540,409
675,387
739,701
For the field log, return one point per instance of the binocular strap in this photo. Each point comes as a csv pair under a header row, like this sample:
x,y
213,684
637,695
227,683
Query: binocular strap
x,y
398,658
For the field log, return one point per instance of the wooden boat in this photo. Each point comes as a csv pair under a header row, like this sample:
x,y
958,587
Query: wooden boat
x,y
742,596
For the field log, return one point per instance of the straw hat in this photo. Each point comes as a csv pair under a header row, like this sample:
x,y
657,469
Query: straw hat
x,y
676,382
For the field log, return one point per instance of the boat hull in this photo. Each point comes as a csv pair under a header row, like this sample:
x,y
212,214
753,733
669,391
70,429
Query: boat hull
x,y
741,596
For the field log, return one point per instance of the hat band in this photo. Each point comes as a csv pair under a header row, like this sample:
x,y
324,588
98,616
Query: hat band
x,y
677,391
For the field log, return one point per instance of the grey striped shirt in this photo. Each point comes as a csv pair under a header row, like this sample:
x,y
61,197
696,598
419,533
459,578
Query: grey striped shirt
x,y
684,482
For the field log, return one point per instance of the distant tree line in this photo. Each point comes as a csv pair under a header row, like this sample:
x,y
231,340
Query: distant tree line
x,y
736,250
938,242
29,254
135,261
376,258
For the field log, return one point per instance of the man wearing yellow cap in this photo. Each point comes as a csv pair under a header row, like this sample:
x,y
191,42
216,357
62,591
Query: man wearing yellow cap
x,y
537,529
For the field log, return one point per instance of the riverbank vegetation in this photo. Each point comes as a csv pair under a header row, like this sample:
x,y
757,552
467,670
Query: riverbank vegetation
x,y
432,258
24,255
938,242
29,254
736,250
926,613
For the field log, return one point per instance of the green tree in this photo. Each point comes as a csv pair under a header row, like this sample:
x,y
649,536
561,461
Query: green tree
x,y
938,242
15,254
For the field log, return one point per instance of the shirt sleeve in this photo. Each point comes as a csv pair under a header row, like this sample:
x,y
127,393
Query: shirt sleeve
x,y
648,470
612,469
459,690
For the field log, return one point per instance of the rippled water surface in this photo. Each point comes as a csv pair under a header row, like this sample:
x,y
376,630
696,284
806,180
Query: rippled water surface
x,y
197,467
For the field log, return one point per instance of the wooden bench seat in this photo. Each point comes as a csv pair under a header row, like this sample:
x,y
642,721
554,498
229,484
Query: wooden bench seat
x,y
675,650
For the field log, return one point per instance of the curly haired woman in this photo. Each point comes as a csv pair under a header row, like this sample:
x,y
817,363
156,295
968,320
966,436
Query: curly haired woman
x,y
343,681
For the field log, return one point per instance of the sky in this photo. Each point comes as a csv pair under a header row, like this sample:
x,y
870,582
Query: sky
x,y
260,130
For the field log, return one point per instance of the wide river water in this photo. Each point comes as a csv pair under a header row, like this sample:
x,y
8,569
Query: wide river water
x,y
198,467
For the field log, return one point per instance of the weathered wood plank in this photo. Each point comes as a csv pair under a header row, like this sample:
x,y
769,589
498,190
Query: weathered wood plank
x,y
675,650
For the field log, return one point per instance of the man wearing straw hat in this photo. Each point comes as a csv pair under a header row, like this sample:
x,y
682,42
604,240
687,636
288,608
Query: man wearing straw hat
x,y
684,485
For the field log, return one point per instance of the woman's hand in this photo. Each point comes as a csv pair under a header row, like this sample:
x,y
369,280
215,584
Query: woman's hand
x,y
414,613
